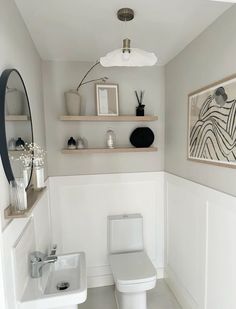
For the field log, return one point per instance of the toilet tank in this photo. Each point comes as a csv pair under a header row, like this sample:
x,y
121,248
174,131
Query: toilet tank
x,y
125,233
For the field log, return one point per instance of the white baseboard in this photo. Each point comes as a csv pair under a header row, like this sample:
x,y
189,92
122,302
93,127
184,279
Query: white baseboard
x,y
181,293
99,281
160,273
101,276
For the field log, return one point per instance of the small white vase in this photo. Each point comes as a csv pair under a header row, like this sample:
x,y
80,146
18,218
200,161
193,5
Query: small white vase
x,y
14,102
39,177
73,99
26,176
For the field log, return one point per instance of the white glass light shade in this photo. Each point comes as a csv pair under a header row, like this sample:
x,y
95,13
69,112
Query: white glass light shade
x,y
137,58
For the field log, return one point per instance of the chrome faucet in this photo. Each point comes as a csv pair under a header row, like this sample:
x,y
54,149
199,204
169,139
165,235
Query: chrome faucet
x,y
39,259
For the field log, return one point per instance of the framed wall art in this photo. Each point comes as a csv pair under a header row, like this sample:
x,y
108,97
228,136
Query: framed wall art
x,y
212,123
107,99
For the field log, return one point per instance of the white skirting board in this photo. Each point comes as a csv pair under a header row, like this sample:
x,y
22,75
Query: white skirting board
x,y
180,292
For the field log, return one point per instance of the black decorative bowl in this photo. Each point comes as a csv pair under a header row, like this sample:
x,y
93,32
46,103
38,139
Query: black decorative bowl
x,y
142,137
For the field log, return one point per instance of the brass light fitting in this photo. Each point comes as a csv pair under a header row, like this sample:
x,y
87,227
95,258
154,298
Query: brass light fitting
x,y
125,14
127,56
126,46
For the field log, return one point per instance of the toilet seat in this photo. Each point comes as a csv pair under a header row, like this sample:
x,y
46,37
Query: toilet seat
x,y
133,272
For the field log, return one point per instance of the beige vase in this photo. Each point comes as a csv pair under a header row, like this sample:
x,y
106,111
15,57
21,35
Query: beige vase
x,y
14,102
73,99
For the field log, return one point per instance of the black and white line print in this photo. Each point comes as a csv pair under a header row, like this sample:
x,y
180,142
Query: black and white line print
x,y
213,136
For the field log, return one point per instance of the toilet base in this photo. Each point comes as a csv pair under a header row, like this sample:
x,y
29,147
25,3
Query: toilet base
x,y
131,300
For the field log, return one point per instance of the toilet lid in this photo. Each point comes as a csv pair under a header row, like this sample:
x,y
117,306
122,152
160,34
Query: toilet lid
x,y
132,268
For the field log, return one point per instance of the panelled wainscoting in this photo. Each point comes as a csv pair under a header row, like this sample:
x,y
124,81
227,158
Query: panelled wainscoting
x,y
199,234
201,250
197,223
21,237
80,206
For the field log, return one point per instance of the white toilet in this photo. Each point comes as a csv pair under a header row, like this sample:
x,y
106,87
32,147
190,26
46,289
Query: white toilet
x,y
133,272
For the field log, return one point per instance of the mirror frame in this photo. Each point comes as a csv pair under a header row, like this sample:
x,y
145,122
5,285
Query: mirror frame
x,y
3,137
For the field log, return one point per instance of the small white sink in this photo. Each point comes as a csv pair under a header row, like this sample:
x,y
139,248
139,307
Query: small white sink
x,y
64,284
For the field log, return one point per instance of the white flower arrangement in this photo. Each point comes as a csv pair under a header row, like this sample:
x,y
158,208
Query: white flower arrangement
x,y
32,154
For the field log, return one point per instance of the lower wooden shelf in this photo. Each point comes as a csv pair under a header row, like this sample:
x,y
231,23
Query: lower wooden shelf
x,y
108,150
33,197
17,118
121,118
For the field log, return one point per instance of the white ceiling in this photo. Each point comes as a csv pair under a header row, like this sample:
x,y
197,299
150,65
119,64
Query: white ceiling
x,y
85,30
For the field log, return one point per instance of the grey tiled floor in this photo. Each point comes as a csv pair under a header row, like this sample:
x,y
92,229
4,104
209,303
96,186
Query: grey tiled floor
x,y
103,298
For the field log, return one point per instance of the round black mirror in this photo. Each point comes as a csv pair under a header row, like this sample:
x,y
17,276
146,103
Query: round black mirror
x,y
16,129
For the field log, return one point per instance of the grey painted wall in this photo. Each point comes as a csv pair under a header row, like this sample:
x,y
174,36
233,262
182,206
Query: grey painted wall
x,y
61,76
18,51
209,58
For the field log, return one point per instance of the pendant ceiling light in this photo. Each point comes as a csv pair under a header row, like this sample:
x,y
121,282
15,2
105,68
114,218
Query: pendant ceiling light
x,y
127,56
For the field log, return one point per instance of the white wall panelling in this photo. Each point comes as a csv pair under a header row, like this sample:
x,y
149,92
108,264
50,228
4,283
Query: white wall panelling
x,y
186,232
19,238
221,266
2,295
80,206
10,236
201,251
21,250
201,227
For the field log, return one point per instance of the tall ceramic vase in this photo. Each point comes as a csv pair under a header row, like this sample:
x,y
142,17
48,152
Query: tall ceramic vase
x,y
14,102
73,99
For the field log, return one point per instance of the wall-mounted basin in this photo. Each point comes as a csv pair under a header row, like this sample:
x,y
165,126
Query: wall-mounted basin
x,y
64,285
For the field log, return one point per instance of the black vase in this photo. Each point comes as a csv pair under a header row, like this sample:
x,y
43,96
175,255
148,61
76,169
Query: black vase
x,y
140,110
142,137
71,144
20,144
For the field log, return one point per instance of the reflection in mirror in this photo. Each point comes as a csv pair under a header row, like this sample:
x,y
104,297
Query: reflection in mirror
x,y
18,125
107,99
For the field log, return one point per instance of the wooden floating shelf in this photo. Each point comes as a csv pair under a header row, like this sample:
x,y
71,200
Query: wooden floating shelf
x,y
17,118
108,150
33,196
16,152
122,118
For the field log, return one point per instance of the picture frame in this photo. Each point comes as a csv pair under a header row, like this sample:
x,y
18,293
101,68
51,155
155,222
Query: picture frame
x,y
212,124
107,99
